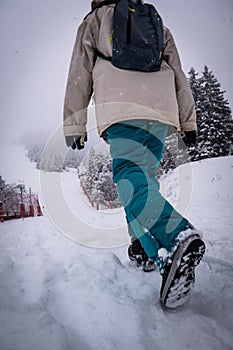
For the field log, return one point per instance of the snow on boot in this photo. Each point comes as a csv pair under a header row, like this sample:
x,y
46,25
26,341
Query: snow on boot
x,y
178,277
137,253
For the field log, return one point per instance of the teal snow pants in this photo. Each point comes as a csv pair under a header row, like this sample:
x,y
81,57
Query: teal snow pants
x,y
136,148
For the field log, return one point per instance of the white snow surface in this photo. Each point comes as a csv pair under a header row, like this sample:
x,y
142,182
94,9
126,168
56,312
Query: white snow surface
x,y
56,294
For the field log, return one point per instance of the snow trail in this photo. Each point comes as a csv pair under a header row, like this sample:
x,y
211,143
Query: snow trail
x,y
55,294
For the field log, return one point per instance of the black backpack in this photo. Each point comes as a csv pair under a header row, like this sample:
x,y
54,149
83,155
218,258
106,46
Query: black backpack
x,y
137,36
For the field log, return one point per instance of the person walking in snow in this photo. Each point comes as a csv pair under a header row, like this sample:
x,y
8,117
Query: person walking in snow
x,y
136,103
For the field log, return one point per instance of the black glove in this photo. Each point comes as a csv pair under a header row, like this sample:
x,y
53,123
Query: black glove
x,y
189,138
76,141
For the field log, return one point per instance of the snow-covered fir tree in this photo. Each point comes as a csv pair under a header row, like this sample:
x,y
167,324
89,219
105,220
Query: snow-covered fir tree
x,y
34,152
105,188
173,155
91,168
51,161
196,88
96,177
72,159
10,197
214,120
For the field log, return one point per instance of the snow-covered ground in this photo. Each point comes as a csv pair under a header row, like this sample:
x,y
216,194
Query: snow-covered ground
x,y
56,294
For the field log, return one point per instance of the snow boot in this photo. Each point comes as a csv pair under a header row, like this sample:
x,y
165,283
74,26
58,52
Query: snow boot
x,y
178,276
137,253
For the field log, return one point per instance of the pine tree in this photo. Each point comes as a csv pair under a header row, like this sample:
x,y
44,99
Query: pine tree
x,y
72,159
105,188
10,196
35,152
51,161
214,121
173,155
195,85
91,169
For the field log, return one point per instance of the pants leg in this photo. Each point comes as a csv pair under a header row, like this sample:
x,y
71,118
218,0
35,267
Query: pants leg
x,y
168,223
136,148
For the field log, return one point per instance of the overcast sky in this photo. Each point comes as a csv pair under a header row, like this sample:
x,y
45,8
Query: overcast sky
x,y
37,38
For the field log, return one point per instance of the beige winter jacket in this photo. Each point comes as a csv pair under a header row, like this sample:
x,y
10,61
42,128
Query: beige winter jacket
x,y
121,94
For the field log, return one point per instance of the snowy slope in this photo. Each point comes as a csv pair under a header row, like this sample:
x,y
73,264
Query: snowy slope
x,y
55,294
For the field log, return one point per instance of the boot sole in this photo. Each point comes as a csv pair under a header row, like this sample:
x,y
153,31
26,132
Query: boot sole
x,y
181,277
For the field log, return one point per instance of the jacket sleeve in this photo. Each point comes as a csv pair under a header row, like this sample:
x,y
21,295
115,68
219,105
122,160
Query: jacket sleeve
x,y
187,114
79,85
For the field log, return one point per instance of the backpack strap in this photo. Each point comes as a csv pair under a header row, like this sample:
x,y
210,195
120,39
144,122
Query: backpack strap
x,y
158,25
101,55
103,3
121,21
